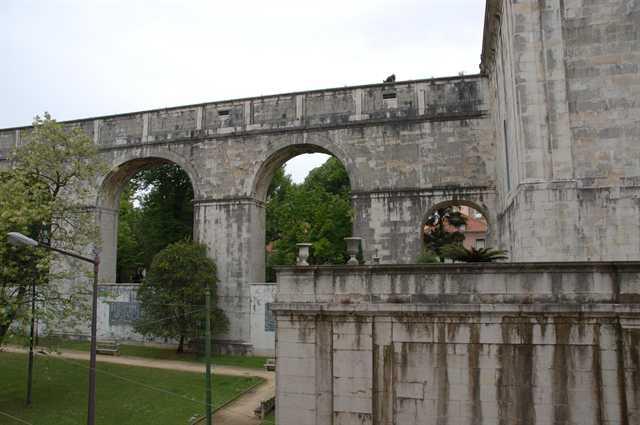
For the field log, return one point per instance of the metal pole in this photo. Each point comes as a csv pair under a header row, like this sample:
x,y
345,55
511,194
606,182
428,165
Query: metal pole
x,y
207,345
20,239
91,415
31,340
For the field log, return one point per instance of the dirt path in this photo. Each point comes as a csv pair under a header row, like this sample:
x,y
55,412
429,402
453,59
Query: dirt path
x,y
238,412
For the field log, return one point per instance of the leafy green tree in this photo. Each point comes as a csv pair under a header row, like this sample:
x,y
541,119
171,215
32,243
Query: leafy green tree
x,y
44,194
330,177
172,294
317,211
130,250
163,215
442,228
427,257
166,208
280,188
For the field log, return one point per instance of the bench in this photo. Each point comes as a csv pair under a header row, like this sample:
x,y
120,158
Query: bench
x,y
109,347
270,365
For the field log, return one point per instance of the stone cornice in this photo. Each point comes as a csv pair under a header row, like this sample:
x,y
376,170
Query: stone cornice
x,y
472,268
548,309
228,102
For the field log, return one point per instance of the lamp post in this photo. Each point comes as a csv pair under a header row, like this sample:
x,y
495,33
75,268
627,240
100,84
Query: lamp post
x,y
33,325
207,345
18,239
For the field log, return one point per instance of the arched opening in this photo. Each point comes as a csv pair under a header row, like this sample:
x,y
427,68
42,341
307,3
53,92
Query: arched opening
x,y
307,199
144,205
450,223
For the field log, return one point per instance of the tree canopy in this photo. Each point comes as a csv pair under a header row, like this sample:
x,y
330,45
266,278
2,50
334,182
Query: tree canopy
x,y
156,209
44,194
172,294
442,228
317,211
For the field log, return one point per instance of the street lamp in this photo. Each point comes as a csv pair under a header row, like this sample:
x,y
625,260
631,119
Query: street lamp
x,y
18,239
207,346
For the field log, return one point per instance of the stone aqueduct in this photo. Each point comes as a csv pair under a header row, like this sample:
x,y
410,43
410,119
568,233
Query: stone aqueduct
x,y
407,146
544,144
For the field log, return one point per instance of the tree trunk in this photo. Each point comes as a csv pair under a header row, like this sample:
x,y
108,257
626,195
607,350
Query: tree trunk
x,y
181,345
3,332
11,315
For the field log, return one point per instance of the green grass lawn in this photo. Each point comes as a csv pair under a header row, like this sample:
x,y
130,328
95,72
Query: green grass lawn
x,y
252,362
144,396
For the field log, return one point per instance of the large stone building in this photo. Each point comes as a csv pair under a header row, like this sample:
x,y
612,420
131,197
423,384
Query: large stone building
x,y
543,142
529,343
563,82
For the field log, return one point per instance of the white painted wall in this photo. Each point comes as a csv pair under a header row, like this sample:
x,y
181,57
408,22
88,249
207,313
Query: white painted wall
x,y
263,335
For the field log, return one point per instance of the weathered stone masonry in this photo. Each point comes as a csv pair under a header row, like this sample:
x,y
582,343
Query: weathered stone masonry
x,y
519,343
564,78
406,146
534,343
545,142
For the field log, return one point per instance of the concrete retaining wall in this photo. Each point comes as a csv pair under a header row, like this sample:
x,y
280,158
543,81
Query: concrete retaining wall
x,y
541,343
118,309
263,324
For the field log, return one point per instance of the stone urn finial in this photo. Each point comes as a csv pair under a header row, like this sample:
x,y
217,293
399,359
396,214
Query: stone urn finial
x,y
353,245
376,258
303,254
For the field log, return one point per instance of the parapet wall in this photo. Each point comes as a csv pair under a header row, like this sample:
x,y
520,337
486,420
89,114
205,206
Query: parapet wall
x,y
441,98
535,343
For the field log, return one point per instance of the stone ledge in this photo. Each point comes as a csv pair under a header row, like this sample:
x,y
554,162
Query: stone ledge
x,y
471,268
594,310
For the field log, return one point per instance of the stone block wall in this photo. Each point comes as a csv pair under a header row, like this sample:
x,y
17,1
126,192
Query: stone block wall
x,y
405,145
536,343
563,77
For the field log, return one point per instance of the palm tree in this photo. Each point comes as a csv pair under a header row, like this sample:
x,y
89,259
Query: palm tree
x,y
472,255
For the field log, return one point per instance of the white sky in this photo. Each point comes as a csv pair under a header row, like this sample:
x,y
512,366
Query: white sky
x,y
84,58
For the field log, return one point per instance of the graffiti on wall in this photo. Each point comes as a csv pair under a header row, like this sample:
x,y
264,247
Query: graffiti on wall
x,y
123,313
269,320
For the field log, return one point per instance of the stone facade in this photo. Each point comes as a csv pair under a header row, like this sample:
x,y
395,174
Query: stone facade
x,y
529,343
543,142
565,78
406,146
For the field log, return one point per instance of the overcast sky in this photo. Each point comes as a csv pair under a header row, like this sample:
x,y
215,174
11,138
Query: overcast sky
x,y
84,58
